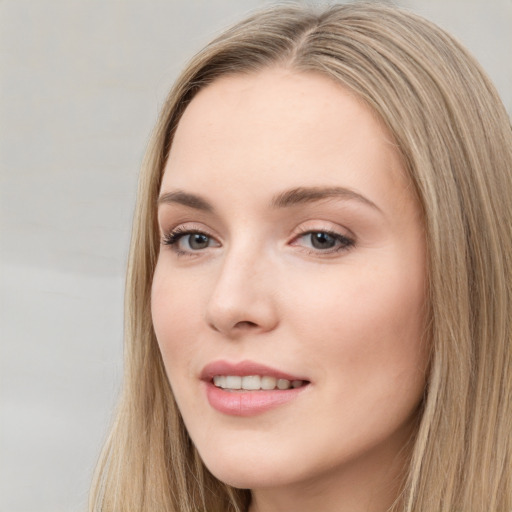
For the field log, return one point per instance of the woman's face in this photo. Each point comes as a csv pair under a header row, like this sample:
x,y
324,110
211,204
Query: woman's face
x,y
293,256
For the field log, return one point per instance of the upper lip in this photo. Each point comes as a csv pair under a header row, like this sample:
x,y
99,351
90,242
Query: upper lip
x,y
244,368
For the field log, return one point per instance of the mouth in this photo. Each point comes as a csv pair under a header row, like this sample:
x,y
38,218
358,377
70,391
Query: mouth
x,y
255,383
248,388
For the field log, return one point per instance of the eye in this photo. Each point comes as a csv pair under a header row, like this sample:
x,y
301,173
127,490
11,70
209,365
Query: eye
x,y
324,241
320,240
186,241
195,241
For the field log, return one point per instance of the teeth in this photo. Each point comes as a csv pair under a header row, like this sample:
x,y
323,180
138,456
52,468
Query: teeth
x,y
268,382
219,381
233,382
254,382
251,382
283,384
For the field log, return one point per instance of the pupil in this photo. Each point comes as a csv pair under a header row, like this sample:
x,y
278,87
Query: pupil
x,y
322,241
198,241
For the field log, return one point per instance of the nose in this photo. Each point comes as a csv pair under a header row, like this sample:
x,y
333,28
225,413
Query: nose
x,y
243,300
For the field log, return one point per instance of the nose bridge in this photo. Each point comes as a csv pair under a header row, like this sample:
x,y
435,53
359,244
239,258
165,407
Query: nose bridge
x,y
242,297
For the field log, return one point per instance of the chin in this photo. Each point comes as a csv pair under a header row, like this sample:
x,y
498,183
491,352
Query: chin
x,y
247,473
264,468
253,478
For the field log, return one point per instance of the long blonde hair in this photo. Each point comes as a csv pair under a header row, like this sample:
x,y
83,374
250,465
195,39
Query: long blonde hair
x,y
456,142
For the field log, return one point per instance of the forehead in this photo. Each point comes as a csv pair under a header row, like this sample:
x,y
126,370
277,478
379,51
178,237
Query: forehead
x,y
281,126
282,104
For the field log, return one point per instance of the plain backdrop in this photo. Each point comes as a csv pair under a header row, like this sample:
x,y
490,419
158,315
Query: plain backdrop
x,y
81,83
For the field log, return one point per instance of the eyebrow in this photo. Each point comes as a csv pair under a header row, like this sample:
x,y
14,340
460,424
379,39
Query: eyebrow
x,y
303,195
286,199
185,199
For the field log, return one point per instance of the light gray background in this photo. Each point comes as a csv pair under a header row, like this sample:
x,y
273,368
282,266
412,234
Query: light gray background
x,y
81,83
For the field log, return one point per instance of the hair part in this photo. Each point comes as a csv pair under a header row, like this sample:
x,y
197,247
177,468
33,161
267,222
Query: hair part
x,y
455,139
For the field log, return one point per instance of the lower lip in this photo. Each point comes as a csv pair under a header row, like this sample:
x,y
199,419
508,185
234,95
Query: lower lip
x,y
249,403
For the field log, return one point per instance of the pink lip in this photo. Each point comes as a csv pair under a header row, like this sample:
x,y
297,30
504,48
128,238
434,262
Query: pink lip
x,y
246,403
244,368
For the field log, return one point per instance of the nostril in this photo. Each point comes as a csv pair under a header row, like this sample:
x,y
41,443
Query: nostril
x,y
245,324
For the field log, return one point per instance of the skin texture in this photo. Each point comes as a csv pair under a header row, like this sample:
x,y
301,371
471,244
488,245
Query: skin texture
x,y
350,319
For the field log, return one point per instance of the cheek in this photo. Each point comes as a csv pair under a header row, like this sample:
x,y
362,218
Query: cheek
x,y
175,312
365,343
370,326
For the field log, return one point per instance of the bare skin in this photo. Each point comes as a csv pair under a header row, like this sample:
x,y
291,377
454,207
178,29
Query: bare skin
x,y
292,239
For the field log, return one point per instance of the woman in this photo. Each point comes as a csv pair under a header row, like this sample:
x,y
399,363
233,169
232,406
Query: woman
x,y
319,288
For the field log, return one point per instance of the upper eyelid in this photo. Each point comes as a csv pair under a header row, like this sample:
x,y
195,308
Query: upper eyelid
x,y
311,226
328,227
189,226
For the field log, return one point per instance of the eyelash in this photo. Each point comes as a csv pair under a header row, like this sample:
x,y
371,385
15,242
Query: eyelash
x,y
345,242
173,238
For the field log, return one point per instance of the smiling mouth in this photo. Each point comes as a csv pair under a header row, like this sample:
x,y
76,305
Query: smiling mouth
x,y
248,388
255,383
